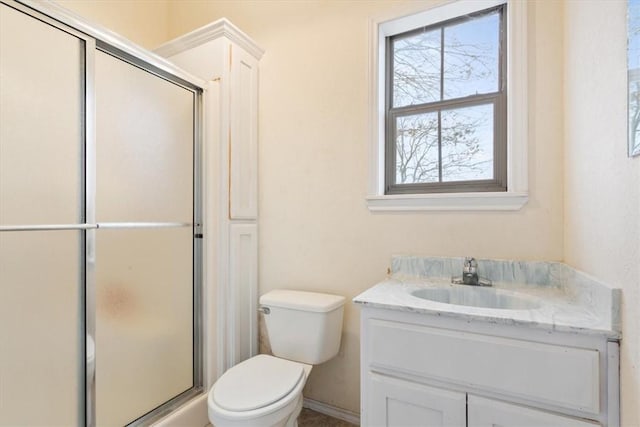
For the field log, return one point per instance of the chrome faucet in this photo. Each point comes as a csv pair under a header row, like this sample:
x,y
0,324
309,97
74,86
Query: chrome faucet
x,y
470,274
470,271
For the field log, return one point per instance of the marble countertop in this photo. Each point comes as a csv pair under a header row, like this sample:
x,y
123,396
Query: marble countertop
x,y
577,303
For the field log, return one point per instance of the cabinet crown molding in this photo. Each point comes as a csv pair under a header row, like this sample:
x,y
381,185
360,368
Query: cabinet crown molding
x,y
220,28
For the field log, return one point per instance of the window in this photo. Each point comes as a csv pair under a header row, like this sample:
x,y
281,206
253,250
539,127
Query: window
x,y
446,136
446,116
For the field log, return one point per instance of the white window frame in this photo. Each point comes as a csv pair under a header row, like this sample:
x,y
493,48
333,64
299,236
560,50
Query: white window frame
x,y
517,113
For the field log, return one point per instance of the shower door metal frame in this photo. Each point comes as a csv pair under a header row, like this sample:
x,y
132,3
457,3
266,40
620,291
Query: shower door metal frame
x,y
119,53
96,38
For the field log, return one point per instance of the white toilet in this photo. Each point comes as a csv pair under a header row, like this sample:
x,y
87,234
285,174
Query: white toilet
x,y
265,391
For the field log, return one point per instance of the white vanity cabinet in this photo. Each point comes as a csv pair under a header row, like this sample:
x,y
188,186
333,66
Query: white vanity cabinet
x,y
431,370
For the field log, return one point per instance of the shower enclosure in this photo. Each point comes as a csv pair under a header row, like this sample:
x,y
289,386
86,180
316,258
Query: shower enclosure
x,y
100,225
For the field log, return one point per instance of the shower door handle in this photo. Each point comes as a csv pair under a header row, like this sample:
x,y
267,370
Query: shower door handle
x,y
106,225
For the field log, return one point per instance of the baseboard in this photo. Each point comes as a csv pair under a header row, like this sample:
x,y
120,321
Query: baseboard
x,y
332,411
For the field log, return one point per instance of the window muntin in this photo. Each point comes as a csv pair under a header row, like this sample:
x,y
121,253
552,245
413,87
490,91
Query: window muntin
x,y
446,106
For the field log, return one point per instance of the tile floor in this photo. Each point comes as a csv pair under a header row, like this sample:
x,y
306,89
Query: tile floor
x,y
309,418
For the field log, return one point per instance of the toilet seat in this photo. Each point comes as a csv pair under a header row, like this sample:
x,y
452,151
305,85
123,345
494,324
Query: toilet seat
x,y
266,416
256,383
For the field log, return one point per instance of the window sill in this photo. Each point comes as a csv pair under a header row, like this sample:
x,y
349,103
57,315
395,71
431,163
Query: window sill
x,y
503,201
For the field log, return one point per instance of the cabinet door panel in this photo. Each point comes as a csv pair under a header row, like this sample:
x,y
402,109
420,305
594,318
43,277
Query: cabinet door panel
x,y
491,413
396,402
243,150
243,277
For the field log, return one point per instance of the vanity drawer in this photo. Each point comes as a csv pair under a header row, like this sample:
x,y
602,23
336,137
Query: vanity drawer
x,y
556,375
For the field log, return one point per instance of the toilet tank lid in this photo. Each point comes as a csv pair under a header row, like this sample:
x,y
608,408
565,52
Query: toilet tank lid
x,y
302,300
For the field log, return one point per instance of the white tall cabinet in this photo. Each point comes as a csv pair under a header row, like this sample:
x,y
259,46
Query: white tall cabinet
x,y
228,60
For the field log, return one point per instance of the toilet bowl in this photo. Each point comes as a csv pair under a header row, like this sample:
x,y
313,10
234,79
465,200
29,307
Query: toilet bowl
x,y
304,329
261,391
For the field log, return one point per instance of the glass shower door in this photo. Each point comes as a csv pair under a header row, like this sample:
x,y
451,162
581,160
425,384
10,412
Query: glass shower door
x,y
145,242
41,214
99,228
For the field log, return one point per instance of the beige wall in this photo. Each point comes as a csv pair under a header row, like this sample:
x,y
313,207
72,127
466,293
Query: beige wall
x,y
145,22
315,230
602,185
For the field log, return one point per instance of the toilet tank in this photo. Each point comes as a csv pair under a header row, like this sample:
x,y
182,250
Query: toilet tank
x,y
303,326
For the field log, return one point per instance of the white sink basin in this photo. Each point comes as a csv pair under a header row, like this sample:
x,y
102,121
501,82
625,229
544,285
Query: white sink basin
x,y
474,296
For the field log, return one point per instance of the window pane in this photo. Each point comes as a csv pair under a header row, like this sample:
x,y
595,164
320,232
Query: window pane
x,y
633,64
416,69
417,148
467,143
471,57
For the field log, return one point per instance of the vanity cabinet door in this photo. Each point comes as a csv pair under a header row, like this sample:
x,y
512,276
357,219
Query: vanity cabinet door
x,y
394,402
490,413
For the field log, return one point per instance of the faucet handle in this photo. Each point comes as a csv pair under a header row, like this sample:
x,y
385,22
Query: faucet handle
x,y
470,263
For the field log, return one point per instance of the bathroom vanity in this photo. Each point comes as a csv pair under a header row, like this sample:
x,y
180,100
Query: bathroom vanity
x,y
539,348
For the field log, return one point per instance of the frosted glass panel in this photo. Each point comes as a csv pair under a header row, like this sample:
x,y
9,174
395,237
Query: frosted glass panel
x,y
144,145
40,300
144,320
41,100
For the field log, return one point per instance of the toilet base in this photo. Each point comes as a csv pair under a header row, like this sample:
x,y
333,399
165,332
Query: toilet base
x,y
293,419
